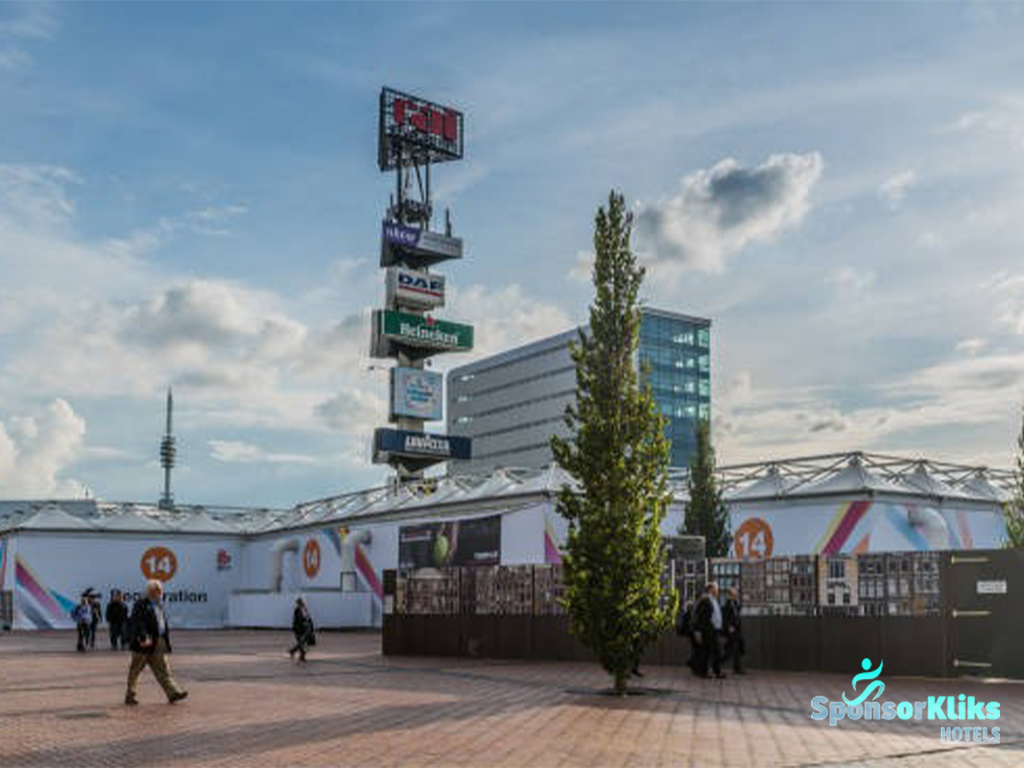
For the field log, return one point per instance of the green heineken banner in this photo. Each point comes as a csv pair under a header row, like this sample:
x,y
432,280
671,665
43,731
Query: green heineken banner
x,y
416,331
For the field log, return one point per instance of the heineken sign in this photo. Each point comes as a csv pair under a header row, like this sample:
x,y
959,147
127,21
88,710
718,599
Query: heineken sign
x,y
416,331
419,445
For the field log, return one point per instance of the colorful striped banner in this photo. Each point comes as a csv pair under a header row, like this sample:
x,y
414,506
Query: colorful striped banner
x,y
552,555
841,526
964,527
899,517
365,569
48,601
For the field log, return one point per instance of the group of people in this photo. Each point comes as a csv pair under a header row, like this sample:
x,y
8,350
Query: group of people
x,y
88,613
715,631
145,630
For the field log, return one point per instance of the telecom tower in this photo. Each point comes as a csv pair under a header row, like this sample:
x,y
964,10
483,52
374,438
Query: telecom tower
x,y
167,454
415,135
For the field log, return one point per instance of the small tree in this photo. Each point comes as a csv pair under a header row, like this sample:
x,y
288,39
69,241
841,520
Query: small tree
x,y
706,513
1015,507
618,453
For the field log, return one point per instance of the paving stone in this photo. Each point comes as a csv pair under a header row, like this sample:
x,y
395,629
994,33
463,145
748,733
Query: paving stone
x,y
249,704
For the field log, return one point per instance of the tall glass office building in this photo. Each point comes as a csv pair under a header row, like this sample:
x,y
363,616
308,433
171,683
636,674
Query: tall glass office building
x,y
676,351
512,402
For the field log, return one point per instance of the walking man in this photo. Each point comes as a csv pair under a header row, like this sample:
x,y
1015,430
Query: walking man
x,y
117,615
82,615
151,644
734,645
96,614
303,629
707,632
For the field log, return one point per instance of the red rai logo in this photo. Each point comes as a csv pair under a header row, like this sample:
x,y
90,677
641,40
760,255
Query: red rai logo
x,y
311,558
159,563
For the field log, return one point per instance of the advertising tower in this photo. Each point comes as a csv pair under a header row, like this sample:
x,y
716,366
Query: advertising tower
x,y
414,136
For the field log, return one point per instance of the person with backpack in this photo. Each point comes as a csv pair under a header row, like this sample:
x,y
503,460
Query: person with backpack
x,y
81,614
303,629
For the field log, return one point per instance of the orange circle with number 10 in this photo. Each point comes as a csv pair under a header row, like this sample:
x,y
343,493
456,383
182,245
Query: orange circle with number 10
x,y
159,563
311,558
753,539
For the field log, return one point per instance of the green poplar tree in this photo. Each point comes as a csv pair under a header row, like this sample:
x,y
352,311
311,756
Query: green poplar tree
x,y
618,453
706,512
1015,507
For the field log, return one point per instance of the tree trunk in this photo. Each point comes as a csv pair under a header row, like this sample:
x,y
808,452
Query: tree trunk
x,y
621,678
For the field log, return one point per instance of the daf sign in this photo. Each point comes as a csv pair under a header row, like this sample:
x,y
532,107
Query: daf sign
x,y
414,289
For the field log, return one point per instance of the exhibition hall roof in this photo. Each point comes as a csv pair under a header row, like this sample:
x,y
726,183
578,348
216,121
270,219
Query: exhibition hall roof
x,y
852,474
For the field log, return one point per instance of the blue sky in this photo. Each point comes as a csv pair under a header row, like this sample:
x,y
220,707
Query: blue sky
x,y
189,196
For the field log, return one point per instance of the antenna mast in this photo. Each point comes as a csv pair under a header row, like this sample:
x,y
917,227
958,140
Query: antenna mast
x,y
167,454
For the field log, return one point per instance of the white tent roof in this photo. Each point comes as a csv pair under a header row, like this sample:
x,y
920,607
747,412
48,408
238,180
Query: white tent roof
x,y
129,521
53,518
769,485
201,522
922,481
507,489
978,486
853,478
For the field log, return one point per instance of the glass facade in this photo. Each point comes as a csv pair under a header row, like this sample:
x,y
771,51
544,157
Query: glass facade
x,y
676,352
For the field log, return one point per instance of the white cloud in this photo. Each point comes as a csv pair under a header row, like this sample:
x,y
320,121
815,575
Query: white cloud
x,y
971,346
13,58
894,189
852,280
240,452
36,21
721,210
35,452
583,267
506,317
1004,118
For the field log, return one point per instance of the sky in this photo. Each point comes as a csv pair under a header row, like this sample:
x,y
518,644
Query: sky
x,y
189,197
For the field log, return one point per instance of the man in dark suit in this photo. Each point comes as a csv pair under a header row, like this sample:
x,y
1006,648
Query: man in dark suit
x,y
151,643
707,632
303,629
117,615
734,645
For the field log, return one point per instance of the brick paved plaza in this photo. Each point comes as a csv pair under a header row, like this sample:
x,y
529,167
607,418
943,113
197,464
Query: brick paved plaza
x,y
351,706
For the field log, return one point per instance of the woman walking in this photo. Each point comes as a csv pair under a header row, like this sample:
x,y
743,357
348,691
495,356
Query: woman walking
x,y
302,627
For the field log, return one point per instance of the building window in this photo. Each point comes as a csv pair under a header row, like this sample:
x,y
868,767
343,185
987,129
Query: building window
x,y
704,411
703,338
464,420
463,398
705,388
705,362
467,377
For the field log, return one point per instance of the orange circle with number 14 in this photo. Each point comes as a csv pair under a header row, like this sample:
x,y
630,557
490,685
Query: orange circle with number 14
x,y
159,563
753,540
311,558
